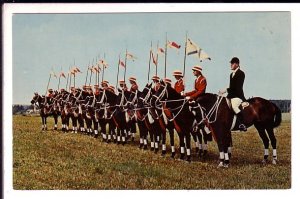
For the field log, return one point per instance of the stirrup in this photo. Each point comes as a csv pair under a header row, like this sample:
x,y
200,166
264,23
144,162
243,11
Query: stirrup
x,y
242,127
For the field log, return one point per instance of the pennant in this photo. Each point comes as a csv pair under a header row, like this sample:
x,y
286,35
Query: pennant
x,y
77,70
154,60
130,56
95,69
173,45
121,63
193,49
103,62
53,74
161,51
62,74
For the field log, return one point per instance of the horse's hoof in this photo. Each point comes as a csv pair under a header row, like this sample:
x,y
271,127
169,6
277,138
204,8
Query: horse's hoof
x,y
229,155
156,150
145,147
182,156
132,139
264,161
188,159
221,164
226,165
274,161
173,155
163,153
152,149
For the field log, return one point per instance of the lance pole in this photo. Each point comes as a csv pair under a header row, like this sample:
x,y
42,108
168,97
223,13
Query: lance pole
x,y
166,55
156,59
103,68
125,65
91,72
150,54
68,80
184,60
48,84
118,73
87,73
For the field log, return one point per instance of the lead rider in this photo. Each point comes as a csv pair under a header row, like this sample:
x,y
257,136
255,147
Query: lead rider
x,y
235,90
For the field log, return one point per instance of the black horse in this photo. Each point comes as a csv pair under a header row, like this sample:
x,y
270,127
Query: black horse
x,y
47,108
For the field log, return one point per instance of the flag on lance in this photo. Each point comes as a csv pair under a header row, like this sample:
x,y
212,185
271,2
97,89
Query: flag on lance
x,y
62,74
194,50
173,44
121,63
130,56
53,74
154,58
161,51
103,63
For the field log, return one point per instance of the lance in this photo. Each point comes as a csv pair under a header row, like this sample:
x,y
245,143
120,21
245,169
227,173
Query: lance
x,y
87,73
103,68
59,79
156,59
125,65
166,56
184,54
150,54
91,72
68,80
117,72
48,84
96,70
74,72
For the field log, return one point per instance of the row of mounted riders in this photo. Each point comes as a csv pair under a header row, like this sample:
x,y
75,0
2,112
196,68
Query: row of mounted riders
x,y
154,112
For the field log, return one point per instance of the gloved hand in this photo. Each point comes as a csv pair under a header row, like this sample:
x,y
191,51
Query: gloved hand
x,y
188,97
222,92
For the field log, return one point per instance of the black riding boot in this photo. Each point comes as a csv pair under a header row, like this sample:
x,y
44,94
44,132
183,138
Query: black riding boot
x,y
242,126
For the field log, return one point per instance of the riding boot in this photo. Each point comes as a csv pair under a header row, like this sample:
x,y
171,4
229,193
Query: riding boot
x,y
242,126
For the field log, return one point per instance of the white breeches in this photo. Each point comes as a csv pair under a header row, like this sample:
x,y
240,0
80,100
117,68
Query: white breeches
x,y
235,102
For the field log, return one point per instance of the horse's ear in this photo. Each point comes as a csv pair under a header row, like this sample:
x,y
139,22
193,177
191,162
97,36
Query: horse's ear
x,y
162,82
120,90
35,93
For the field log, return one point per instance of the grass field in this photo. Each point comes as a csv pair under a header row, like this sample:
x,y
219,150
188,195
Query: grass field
x,y
53,160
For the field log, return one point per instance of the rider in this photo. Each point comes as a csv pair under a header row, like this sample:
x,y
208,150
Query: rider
x,y
168,81
235,90
179,84
97,90
199,86
123,85
50,96
134,86
104,84
156,83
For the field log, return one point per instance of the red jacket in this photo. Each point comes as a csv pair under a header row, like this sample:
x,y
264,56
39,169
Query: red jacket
x,y
134,87
200,86
179,86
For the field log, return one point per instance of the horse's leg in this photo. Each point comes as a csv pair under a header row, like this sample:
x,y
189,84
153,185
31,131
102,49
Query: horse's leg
x,y
142,132
43,126
188,146
45,122
123,133
200,143
195,138
265,139
272,138
182,145
67,122
73,118
55,116
95,127
164,147
205,148
133,130
172,142
152,135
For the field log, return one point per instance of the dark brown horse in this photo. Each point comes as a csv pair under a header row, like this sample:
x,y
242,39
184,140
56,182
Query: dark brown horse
x,y
261,113
216,112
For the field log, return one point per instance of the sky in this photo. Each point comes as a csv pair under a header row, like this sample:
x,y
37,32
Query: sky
x,y
261,40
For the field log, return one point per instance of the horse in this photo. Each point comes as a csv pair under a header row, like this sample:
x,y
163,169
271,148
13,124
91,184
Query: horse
x,y
176,109
47,108
261,113
152,119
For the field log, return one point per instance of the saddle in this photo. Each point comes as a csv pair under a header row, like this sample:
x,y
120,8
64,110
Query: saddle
x,y
236,120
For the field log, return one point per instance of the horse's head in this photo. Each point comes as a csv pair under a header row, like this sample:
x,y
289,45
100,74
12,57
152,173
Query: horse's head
x,y
160,94
145,95
34,98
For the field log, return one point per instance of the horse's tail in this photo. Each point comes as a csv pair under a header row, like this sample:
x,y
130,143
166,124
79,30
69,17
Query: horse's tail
x,y
277,117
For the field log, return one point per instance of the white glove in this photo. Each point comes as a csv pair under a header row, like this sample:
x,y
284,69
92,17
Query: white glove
x,y
221,92
187,97
181,93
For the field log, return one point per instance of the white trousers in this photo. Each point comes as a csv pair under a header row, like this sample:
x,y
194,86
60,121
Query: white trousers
x,y
235,102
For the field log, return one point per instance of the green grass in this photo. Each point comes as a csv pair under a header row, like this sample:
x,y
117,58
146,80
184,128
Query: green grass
x,y
53,160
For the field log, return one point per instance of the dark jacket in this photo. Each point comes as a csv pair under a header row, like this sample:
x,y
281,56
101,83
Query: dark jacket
x,y
236,85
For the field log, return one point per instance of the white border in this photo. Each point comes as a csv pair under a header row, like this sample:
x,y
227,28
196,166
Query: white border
x,y
10,9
